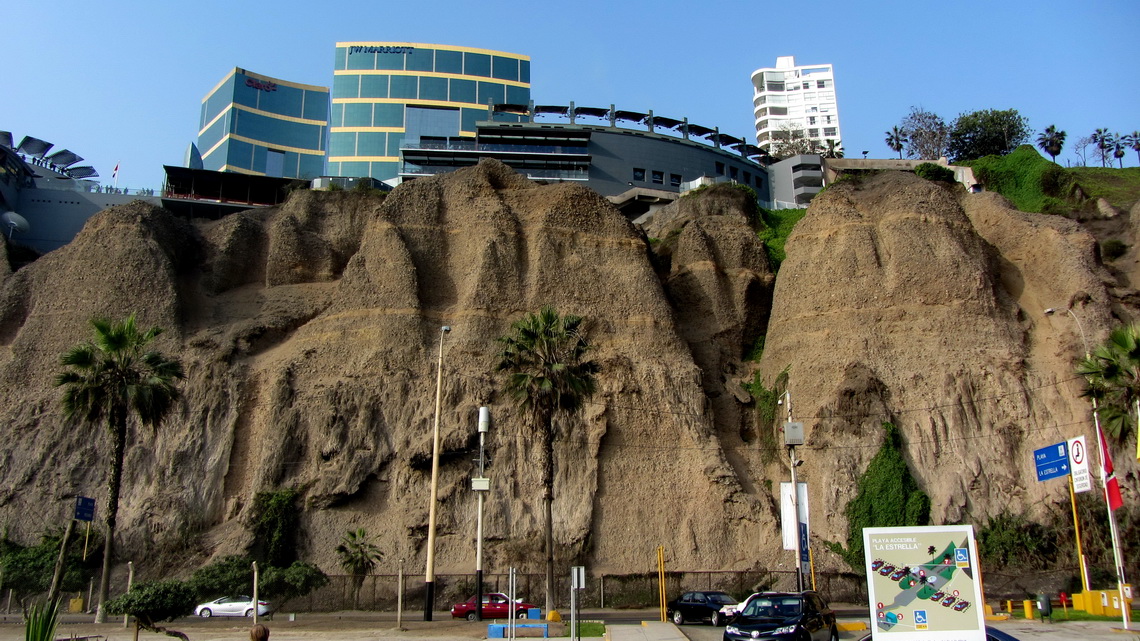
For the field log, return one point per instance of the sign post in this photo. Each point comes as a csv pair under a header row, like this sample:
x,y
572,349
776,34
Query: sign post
x,y
1052,461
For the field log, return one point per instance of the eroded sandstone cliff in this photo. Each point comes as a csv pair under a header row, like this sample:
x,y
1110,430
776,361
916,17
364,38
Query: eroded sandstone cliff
x,y
310,335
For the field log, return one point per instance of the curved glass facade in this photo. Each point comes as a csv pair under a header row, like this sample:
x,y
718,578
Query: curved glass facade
x,y
254,124
387,94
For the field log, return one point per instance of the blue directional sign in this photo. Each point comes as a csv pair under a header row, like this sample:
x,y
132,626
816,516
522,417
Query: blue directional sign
x,y
805,554
1052,461
84,509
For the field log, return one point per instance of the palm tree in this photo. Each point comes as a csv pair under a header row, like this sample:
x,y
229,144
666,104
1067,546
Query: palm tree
x,y
1133,141
1119,144
1113,373
896,140
1103,141
834,149
358,555
1051,140
108,380
547,373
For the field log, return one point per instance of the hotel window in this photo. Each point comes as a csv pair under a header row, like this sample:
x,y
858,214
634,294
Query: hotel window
x,y
775,86
812,133
807,85
674,180
639,174
720,169
658,177
821,84
732,173
829,131
811,121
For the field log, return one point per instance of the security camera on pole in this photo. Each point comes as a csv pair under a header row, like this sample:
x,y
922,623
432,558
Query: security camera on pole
x,y
794,497
481,485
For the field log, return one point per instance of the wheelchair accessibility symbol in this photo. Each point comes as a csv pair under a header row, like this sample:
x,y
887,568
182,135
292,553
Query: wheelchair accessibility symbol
x,y
920,620
962,557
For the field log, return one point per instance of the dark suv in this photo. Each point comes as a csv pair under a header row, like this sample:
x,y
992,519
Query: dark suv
x,y
783,615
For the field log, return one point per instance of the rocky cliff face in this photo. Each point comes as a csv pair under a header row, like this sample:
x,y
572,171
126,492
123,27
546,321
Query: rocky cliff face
x,y
310,334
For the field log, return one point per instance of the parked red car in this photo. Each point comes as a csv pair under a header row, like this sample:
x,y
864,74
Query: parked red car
x,y
496,605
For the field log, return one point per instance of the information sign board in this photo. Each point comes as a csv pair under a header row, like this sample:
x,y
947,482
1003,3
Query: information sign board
x,y
84,508
924,583
1052,461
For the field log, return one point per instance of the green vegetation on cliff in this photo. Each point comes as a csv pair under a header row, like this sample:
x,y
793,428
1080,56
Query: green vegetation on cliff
x,y
887,496
1035,184
777,226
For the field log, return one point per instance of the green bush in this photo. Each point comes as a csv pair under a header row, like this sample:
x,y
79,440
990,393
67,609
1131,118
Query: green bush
x,y
154,602
1029,181
274,519
931,171
1013,541
297,580
1112,249
29,570
887,495
229,575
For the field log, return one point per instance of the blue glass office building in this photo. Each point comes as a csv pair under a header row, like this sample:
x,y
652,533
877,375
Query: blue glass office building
x,y
254,124
392,95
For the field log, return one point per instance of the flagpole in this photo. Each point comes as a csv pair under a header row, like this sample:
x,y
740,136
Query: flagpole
x,y
1104,456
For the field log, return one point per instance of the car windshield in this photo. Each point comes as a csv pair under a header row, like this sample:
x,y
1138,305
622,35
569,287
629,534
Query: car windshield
x,y
721,598
777,607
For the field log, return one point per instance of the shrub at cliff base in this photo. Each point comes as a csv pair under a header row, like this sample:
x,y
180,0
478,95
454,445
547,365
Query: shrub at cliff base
x,y
156,602
937,173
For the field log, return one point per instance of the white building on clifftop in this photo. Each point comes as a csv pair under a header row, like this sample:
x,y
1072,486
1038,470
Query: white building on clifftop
x,y
795,100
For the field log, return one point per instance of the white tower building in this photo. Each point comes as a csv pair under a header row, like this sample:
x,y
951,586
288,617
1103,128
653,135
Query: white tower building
x,y
797,101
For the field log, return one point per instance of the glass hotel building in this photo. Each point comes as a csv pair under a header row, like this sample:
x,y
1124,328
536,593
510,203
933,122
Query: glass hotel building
x,y
254,124
388,96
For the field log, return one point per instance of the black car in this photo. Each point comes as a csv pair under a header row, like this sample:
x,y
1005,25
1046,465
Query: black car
x,y
784,615
700,606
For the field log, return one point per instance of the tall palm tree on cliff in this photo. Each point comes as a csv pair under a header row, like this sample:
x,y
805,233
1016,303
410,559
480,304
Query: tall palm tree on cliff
x,y
1113,372
544,358
1119,144
896,140
1051,140
107,381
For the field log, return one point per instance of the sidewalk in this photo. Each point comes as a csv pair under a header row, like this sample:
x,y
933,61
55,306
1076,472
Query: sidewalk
x,y
647,631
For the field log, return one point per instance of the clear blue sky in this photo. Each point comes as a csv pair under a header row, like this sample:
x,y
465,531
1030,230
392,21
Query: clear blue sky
x,y
122,81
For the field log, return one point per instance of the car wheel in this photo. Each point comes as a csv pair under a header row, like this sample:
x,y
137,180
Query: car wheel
x,y
205,613
521,614
678,618
715,618
249,612
471,616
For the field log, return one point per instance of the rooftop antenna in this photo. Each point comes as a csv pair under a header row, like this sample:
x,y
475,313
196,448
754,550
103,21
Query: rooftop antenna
x,y
15,223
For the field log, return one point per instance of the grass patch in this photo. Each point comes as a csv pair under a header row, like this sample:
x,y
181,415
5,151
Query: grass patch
x,y
1060,614
1120,187
587,629
1032,183
778,225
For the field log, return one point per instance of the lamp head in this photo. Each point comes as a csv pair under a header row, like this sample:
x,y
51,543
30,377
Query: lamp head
x,y
445,329
1050,311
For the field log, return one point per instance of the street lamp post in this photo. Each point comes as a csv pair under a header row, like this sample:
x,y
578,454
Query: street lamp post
x,y
429,573
1103,448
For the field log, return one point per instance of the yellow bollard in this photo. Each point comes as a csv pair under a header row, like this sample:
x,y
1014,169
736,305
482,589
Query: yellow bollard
x,y
1027,605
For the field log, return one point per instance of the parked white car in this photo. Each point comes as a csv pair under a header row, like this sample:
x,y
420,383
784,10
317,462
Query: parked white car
x,y
231,606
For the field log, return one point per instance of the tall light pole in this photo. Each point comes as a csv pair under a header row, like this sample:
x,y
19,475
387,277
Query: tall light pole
x,y
481,485
791,440
429,573
1103,449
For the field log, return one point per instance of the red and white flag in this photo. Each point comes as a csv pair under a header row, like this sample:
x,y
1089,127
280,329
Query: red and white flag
x,y
115,174
1111,485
